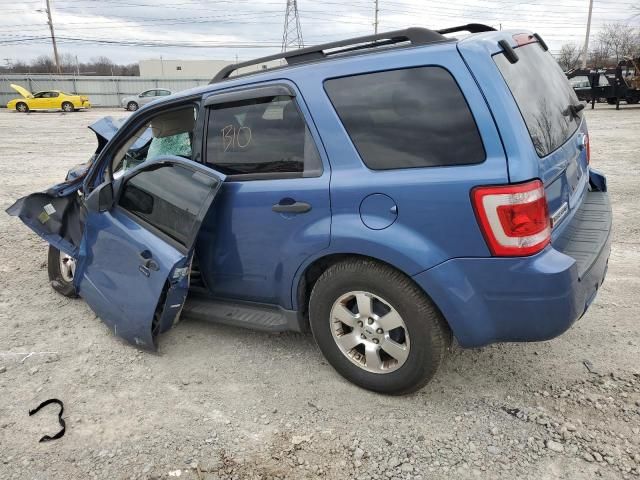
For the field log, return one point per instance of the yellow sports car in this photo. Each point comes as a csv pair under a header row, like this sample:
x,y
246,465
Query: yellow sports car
x,y
47,100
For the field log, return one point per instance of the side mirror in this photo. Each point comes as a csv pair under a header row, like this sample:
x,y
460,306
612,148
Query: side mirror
x,y
101,199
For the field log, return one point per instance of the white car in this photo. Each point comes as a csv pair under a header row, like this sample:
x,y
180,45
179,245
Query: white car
x,y
133,102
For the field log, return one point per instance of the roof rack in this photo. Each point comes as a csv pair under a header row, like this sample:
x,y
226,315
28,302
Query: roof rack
x,y
469,27
414,35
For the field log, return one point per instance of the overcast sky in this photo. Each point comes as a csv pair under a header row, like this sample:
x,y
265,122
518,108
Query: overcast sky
x,y
129,30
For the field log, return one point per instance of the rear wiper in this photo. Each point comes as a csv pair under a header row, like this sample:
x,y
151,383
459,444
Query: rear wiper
x,y
573,110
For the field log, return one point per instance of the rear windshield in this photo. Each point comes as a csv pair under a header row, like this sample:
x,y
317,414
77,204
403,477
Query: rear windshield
x,y
543,95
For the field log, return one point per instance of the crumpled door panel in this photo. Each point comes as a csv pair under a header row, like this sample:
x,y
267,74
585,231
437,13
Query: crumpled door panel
x,y
56,215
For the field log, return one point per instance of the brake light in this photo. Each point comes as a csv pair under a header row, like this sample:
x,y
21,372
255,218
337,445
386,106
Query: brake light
x,y
514,219
524,39
587,147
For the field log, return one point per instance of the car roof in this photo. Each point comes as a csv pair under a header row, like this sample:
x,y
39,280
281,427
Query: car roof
x,y
312,57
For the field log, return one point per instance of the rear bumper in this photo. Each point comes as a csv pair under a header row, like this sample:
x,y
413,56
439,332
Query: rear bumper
x,y
86,104
524,299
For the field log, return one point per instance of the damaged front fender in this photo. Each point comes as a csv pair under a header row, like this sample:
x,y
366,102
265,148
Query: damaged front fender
x,y
56,215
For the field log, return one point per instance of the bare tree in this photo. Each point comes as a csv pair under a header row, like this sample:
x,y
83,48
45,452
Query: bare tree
x,y
620,40
43,64
569,57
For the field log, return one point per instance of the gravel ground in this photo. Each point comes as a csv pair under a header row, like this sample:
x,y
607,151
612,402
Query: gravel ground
x,y
222,402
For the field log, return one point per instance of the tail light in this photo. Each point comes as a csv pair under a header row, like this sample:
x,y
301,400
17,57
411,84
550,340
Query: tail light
x,y
514,219
587,147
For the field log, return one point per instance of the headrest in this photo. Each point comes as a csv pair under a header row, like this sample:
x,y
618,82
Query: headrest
x,y
173,123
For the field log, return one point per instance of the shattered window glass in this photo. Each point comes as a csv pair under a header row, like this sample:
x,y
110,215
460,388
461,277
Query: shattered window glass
x,y
170,133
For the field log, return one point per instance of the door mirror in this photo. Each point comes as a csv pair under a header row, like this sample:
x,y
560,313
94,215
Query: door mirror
x,y
101,199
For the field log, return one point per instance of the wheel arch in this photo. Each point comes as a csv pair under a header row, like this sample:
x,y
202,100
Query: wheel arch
x,y
309,273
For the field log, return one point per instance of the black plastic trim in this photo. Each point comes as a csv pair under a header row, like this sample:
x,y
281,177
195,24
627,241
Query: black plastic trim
x,y
469,27
278,90
542,43
415,36
509,53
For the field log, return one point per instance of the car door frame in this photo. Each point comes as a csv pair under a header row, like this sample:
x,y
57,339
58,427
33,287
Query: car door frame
x,y
105,199
287,290
95,176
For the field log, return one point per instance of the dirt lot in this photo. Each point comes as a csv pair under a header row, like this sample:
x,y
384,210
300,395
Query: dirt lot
x,y
222,402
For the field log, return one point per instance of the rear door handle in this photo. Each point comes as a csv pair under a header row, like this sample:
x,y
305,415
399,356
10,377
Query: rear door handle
x,y
295,207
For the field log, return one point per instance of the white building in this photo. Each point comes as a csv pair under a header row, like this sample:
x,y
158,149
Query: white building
x,y
159,67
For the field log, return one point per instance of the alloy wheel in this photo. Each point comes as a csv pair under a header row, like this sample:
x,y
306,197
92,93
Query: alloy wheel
x,y
370,332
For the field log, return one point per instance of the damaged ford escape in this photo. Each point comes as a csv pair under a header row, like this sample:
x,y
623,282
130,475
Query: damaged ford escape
x,y
387,193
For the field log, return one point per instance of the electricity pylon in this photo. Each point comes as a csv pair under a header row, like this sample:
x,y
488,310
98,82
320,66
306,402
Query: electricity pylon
x,y
292,36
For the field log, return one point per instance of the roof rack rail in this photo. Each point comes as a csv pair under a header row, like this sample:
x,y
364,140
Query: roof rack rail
x,y
415,36
469,27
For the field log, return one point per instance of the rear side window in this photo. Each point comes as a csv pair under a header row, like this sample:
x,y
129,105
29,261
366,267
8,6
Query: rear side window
x,y
168,197
260,137
407,118
543,95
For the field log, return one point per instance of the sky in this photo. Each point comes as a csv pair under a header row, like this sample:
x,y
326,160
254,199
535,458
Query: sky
x,y
130,30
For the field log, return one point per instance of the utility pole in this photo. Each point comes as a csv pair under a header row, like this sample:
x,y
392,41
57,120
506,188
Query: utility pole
x,y
53,37
375,22
292,36
585,49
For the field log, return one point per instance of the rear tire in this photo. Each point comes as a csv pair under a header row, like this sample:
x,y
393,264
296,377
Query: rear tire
x,y
132,106
399,345
22,107
67,107
61,268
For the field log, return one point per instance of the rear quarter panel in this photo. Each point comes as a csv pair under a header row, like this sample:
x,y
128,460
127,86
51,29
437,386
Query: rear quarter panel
x,y
435,219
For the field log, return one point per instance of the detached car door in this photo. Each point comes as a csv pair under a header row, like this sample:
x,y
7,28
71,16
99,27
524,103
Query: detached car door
x,y
137,245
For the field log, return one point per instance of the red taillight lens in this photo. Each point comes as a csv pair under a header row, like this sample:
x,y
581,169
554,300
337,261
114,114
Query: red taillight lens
x,y
587,146
514,219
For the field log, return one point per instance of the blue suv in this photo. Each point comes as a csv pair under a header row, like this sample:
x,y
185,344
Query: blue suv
x,y
386,192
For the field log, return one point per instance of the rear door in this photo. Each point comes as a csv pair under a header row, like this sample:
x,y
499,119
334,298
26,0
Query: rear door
x,y
134,260
274,210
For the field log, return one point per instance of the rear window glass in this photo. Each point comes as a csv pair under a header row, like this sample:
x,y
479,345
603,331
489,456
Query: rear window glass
x,y
543,95
407,118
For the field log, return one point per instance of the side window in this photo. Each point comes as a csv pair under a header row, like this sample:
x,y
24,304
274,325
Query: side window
x,y
53,95
261,136
168,197
148,93
409,118
169,133
163,93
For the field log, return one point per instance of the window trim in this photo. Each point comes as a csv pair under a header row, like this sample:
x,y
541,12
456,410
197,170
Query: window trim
x,y
275,90
412,67
254,93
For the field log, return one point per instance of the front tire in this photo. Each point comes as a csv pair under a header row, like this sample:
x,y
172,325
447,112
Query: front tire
x,y
132,106
376,327
61,268
22,107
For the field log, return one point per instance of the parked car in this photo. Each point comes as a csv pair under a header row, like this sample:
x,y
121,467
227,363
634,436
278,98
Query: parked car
x,y
47,100
386,199
133,102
